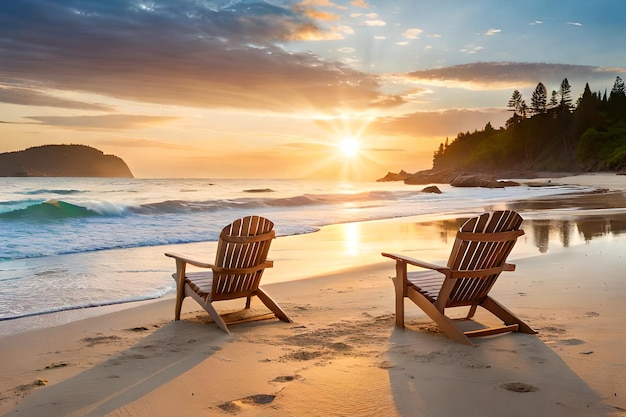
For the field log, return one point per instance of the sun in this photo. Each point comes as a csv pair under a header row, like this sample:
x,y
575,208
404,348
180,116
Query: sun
x,y
349,147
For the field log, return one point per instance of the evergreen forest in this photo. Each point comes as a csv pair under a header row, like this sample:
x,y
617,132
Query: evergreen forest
x,y
553,133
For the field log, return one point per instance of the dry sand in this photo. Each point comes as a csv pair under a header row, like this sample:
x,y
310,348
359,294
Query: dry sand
x,y
343,356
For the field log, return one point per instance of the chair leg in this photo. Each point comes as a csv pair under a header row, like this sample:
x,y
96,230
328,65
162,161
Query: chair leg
x,y
179,277
179,306
248,300
446,324
507,316
398,283
216,317
271,304
206,304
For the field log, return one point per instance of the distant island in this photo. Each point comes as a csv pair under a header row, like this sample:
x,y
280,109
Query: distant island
x,y
62,161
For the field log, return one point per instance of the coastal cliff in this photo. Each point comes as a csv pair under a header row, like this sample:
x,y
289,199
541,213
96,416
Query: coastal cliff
x,y
62,161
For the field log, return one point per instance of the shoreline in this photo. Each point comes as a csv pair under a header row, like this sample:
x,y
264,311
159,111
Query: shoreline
x,y
342,355
560,205
199,249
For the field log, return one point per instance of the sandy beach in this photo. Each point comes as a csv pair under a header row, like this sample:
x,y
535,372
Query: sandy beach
x,y
343,356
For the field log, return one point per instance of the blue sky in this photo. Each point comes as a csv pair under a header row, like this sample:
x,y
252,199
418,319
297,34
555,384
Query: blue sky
x,y
269,88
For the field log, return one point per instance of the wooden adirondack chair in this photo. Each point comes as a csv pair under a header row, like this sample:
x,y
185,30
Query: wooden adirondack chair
x,y
478,257
240,261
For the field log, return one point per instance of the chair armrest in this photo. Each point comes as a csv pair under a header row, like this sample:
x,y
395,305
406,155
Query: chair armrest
x,y
190,261
417,262
508,267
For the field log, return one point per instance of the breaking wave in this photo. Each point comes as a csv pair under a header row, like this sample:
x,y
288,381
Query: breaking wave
x,y
49,210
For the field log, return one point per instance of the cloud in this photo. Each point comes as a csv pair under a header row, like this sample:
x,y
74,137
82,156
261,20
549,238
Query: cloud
x,y
179,52
472,49
112,121
29,97
359,3
492,32
319,15
504,75
573,23
314,3
345,29
142,144
439,123
412,33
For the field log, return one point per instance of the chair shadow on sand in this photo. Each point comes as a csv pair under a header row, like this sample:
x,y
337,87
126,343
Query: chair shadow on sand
x,y
153,359
506,375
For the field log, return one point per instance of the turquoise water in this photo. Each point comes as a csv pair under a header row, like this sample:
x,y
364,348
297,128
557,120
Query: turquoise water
x,y
72,243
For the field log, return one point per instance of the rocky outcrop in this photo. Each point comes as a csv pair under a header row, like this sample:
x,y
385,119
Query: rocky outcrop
x,y
401,176
459,178
431,177
480,180
433,189
62,161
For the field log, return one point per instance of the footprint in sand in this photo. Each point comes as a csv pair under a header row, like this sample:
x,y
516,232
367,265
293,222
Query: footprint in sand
x,y
519,387
552,329
233,407
56,365
26,388
138,329
286,378
96,340
385,365
302,355
572,342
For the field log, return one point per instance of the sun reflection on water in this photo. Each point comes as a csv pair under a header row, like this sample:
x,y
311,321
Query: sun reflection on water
x,y
352,237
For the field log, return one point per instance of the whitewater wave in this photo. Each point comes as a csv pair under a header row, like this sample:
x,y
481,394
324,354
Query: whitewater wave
x,y
154,295
303,200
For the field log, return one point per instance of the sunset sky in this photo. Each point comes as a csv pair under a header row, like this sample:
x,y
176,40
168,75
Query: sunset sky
x,y
270,89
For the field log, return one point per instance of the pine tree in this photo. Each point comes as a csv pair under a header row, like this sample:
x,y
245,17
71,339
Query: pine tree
x,y
539,100
565,96
554,102
518,107
618,90
586,115
523,109
515,102
617,99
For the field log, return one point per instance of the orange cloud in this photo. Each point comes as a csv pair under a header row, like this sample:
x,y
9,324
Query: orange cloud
x,y
359,3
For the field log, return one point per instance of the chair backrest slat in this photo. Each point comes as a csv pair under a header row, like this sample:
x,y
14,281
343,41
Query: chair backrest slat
x,y
474,251
243,244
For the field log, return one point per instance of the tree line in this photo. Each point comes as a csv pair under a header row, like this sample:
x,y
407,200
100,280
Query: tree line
x,y
551,134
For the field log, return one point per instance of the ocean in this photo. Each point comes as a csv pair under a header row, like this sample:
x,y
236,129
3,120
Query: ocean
x,y
76,243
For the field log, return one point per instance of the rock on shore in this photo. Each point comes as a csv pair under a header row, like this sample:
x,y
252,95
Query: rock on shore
x,y
459,178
